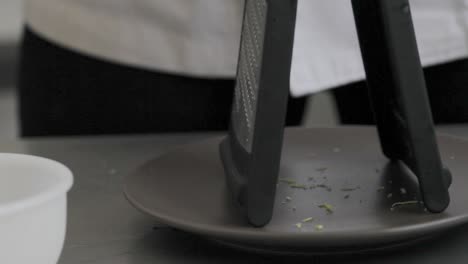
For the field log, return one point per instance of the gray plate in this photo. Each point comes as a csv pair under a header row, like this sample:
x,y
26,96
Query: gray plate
x,y
186,189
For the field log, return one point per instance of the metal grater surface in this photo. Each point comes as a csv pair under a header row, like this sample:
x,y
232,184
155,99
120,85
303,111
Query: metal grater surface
x,y
248,74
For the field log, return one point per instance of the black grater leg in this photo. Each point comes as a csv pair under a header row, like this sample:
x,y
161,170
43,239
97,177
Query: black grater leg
x,y
271,110
251,153
399,96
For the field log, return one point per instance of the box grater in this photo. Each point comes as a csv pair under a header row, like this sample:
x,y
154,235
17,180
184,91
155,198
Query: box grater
x,y
251,153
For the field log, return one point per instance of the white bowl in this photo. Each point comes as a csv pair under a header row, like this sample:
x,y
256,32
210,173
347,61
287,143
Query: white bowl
x,y
33,205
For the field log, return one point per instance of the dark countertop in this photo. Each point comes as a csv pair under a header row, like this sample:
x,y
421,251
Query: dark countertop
x,y
103,228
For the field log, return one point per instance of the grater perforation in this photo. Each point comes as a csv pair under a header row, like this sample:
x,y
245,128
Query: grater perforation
x,y
249,70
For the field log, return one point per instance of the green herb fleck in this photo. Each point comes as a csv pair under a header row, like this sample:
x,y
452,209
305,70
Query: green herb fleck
x,y
324,186
350,189
298,225
395,205
327,208
307,220
287,181
319,227
298,186
322,170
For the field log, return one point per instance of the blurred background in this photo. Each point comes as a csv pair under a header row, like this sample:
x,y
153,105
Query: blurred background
x,y
10,28
100,67
320,112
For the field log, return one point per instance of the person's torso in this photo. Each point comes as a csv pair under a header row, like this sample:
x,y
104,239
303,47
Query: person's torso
x,y
201,37
195,37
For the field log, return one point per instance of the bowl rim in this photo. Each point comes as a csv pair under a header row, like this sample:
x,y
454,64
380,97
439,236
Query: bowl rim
x,y
63,185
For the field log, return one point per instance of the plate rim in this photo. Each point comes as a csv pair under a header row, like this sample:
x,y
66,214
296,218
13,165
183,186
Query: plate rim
x,y
294,239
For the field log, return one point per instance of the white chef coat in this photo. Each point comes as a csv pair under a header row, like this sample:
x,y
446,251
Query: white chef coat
x,y
201,37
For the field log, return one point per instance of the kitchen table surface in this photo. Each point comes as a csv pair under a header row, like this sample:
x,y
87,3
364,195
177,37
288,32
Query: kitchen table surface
x,y
103,228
